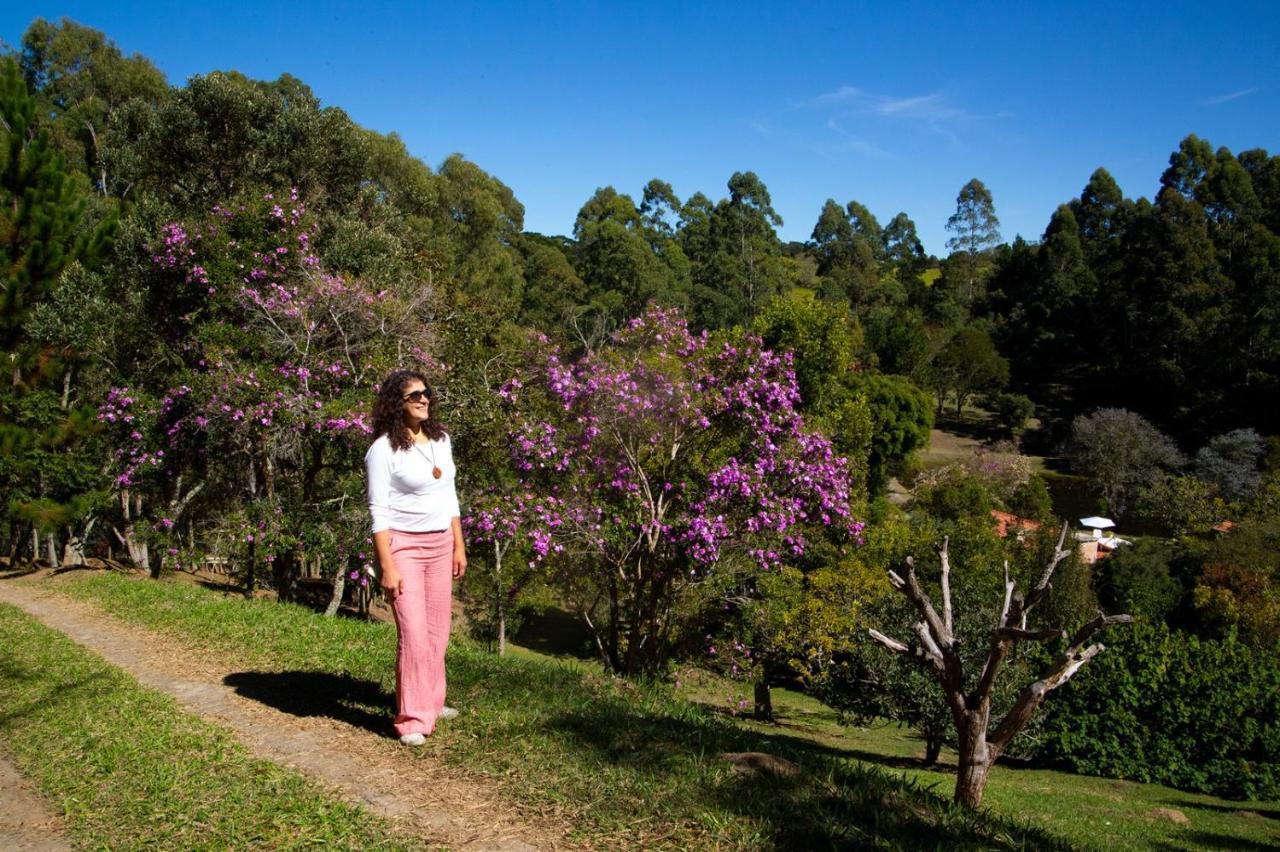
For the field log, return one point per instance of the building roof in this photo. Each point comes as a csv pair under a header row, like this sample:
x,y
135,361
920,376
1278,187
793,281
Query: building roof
x,y
1005,522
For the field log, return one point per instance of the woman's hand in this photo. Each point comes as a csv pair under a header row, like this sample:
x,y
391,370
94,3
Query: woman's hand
x,y
392,584
388,577
459,549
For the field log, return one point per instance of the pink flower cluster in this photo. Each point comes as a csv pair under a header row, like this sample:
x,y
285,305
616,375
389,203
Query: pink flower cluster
x,y
693,448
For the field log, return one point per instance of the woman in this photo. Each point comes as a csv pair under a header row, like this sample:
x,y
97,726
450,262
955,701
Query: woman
x,y
417,534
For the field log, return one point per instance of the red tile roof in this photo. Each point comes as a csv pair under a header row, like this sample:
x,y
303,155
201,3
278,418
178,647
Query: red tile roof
x,y
1006,521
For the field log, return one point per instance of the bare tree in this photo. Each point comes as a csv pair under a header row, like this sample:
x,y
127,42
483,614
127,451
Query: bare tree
x,y
938,652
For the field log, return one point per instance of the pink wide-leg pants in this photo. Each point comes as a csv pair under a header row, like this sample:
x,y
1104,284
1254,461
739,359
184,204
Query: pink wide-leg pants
x,y
425,562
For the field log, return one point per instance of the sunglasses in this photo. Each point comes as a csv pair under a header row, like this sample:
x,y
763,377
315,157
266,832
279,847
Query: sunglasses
x,y
417,396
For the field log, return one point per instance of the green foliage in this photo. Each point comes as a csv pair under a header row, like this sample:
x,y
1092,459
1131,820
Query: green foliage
x,y
85,89
901,419
51,472
1181,504
968,364
823,338
976,231
956,497
1012,410
1121,452
1236,583
1032,500
1138,579
1164,706
898,341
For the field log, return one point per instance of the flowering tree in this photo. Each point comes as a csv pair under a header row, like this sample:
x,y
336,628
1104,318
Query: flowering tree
x,y
271,363
498,519
661,459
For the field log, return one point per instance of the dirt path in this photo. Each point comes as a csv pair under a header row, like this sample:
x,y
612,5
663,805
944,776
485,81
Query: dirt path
x,y
415,789
26,824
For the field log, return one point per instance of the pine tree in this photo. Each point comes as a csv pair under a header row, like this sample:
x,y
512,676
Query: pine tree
x,y
44,227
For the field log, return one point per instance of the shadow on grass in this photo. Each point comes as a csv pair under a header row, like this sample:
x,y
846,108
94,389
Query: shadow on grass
x,y
981,429
556,633
57,692
1213,840
313,693
1245,809
831,803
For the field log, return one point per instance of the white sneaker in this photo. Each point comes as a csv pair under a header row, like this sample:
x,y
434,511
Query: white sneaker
x,y
448,713
413,739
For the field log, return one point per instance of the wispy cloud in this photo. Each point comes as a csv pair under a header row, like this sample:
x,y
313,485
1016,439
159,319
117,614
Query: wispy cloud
x,y
854,142
933,112
933,106
1222,99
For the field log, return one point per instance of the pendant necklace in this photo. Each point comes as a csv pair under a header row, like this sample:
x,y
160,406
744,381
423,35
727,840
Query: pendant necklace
x,y
435,469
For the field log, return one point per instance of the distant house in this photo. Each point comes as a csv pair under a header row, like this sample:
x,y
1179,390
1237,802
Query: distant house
x,y
1224,527
1007,524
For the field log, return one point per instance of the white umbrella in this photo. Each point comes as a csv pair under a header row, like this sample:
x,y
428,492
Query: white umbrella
x,y
1097,523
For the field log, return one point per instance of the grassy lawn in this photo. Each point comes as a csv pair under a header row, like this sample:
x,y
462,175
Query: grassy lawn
x,y
130,770
1089,812
638,765
631,765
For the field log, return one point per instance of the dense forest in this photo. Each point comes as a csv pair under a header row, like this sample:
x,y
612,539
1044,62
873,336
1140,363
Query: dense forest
x,y
669,421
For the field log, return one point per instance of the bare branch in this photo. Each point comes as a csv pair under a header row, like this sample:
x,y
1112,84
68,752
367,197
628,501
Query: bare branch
x,y
1059,553
896,581
1054,675
926,641
890,643
1008,595
945,556
1017,635
917,596
1102,621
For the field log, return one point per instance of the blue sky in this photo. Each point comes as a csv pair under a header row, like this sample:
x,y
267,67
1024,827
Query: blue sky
x,y
894,105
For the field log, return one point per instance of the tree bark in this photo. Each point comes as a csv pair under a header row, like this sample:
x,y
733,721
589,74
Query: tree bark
x,y
764,701
339,588
975,759
499,599
932,747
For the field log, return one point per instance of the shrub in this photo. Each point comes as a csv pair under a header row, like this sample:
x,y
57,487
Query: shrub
x,y
1137,580
1171,708
1012,410
1032,500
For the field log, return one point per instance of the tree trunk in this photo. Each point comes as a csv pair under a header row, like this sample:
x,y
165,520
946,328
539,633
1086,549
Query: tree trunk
x,y
73,552
975,759
51,549
339,587
139,555
500,596
502,629
932,748
764,701
250,560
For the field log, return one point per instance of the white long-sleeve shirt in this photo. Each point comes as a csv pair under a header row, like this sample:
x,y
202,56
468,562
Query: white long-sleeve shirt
x,y
403,495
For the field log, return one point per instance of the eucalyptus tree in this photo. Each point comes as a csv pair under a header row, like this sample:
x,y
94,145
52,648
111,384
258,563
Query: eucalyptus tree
x,y
976,231
83,84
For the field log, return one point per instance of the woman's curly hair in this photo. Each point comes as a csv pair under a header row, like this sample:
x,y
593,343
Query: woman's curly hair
x,y
388,412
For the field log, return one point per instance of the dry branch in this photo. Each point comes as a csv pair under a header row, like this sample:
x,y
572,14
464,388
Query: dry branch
x,y
937,651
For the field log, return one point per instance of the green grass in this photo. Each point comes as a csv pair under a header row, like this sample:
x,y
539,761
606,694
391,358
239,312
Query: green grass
x,y
629,765
130,770
1088,812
